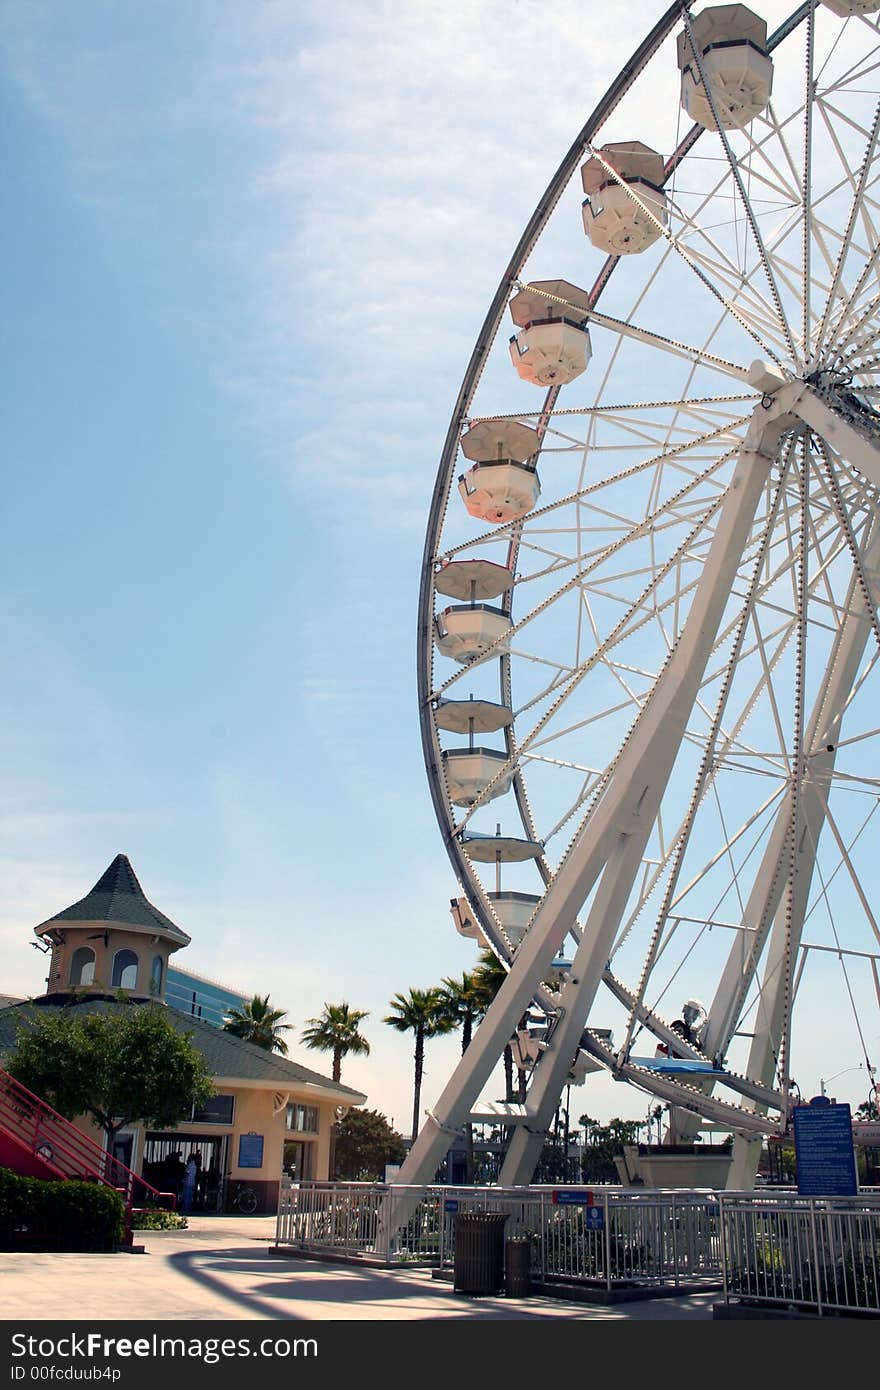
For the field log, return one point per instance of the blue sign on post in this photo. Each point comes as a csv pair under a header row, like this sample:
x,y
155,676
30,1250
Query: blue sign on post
x,y
594,1219
823,1146
450,1204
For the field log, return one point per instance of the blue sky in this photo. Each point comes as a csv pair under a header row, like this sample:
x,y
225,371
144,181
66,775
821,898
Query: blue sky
x,y
248,249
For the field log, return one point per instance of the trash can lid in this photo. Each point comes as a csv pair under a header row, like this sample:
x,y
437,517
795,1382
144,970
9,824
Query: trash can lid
x,y
482,1218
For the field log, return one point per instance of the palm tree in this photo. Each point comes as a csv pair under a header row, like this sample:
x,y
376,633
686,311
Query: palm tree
x,y
337,1031
420,1012
465,1002
257,1023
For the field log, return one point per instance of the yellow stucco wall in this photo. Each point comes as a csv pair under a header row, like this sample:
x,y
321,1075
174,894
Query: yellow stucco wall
x,y
254,1113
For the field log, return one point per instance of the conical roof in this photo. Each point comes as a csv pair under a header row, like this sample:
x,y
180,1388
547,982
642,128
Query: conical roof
x,y
119,900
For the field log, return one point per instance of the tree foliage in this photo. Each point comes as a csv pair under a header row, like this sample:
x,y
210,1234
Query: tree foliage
x,y
603,1143
337,1031
120,1065
365,1142
464,1001
259,1024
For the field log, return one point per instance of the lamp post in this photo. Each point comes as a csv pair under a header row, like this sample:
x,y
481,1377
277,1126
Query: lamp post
x,y
824,1080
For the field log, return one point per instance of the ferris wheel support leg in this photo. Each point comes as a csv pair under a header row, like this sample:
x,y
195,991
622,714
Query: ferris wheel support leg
x,y
549,1076
744,1164
628,805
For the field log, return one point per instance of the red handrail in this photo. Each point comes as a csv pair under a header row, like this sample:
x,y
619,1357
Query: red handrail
x,y
65,1148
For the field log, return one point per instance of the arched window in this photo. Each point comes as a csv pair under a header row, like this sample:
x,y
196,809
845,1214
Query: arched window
x,y
156,977
82,966
125,970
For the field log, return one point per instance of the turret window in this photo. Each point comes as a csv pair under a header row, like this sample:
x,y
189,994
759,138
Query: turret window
x,y
125,969
82,966
156,977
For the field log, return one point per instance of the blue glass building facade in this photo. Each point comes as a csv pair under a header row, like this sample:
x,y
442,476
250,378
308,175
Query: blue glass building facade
x,y
204,999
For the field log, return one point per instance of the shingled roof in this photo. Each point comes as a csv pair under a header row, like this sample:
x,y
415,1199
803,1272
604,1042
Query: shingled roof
x,y
225,1054
118,898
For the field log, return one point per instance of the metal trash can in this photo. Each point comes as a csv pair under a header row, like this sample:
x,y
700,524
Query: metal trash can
x,y
517,1267
479,1252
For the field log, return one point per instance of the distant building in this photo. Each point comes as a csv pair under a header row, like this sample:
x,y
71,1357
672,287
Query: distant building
x,y
201,997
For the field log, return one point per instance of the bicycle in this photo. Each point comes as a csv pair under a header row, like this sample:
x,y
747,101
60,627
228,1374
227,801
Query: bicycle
x,y
244,1199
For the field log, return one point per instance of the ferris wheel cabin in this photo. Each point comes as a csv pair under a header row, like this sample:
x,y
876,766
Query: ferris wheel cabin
x,y
502,483
725,65
845,8
467,631
470,772
625,208
554,345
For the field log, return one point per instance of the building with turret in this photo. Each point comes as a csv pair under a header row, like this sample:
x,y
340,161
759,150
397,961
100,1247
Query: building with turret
x,y
110,950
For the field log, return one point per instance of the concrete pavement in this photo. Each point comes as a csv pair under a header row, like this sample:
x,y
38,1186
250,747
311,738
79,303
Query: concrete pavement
x,y
220,1268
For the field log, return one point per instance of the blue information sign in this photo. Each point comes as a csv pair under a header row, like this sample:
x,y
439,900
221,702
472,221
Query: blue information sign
x,y
450,1204
250,1151
823,1146
594,1219
572,1197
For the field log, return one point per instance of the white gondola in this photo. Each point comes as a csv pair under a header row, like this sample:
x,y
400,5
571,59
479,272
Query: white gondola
x,y
472,580
502,484
514,911
527,1045
732,45
472,716
847,7
464,919
467,631
560,969
500,492
582,1067
500,849
469,772
554,345
618,222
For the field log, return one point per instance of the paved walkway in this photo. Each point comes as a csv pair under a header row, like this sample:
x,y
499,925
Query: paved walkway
x,y
221,1268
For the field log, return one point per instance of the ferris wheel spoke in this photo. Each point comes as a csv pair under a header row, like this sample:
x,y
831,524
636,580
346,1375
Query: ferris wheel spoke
x,y
806,190
829,707
677,242
740,186
834,291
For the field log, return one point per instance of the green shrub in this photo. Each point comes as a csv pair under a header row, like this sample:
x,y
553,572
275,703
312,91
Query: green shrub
x,y
155,1219
58,1215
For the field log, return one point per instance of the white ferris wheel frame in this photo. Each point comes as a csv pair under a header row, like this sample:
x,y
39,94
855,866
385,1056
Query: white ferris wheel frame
x,y
607,852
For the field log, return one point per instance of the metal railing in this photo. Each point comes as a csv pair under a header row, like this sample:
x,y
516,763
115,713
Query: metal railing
x,y
644,1238
773,1248
818,1255
67,1151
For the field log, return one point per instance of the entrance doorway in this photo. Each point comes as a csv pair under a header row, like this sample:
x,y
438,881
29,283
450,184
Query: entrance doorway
x,y
166,1157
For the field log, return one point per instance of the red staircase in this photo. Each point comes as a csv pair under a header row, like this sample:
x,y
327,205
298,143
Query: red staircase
x,y
38,1142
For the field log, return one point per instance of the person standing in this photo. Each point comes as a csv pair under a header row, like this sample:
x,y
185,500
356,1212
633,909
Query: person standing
x,y
190,1181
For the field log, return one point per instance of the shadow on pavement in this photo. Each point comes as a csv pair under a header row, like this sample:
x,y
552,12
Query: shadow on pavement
x,y
345,1285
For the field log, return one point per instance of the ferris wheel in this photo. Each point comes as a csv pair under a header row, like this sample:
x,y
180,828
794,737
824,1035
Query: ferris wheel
x,y
649,632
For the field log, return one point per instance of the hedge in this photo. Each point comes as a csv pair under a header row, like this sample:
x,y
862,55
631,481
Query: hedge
x,y
58,1215
157,1219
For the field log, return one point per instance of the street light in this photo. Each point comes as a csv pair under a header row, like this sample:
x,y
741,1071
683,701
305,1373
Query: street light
x,y
822,1081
